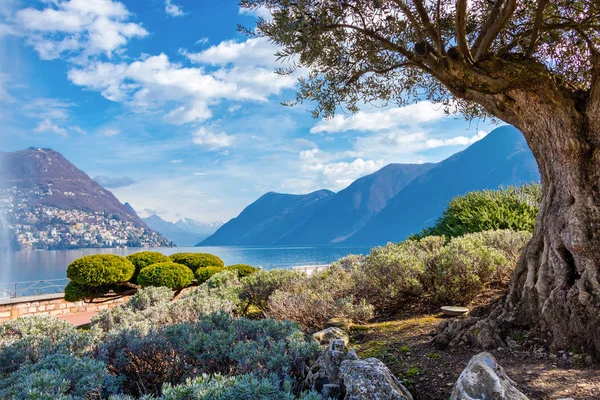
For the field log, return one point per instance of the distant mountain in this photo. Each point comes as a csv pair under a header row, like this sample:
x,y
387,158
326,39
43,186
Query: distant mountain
x,y
387,205
50,203
185,232
350,209
269,219
201,228
501,158
70,188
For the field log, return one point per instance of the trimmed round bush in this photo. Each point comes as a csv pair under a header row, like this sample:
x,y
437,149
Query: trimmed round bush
x,y
197,260
145,258
204,274
76,292
171,275
242,270
100,269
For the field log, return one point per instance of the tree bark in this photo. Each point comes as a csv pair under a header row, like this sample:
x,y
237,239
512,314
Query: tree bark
x,y
556,284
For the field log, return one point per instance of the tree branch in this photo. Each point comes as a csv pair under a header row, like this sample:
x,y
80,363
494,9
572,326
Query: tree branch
x,y
461,30
498,25
539,18
432,32
494,12
411,18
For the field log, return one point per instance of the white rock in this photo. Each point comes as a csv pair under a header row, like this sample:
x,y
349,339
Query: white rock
x,y
484,379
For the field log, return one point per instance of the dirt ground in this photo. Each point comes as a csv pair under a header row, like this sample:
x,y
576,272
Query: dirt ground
x,y
429,373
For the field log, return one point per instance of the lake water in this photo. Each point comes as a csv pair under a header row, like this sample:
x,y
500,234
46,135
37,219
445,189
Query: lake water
x,y
44,264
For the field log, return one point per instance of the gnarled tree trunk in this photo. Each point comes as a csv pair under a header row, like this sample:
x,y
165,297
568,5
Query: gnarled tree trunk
x,y
556,284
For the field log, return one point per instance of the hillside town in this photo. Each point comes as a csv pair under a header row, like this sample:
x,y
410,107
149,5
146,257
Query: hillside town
x,y
34,225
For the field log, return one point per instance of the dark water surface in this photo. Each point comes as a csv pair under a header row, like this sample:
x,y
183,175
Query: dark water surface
x,y
52,264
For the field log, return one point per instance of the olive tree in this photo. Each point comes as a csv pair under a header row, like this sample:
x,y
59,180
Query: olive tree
x,y
532,63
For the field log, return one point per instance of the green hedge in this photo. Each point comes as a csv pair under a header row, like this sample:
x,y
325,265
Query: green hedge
x,y
171,275
197,260
204,274
100,270
514,208
242,270
145,258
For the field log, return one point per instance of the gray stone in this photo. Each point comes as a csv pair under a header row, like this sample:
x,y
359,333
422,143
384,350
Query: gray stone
x,y
327,367
325,336
370,379
484,378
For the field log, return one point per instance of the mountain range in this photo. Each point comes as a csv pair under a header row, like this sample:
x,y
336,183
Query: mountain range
x,y
388,205
69,187
185,232
48,203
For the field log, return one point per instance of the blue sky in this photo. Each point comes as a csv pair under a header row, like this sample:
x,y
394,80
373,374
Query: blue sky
x,y
177,113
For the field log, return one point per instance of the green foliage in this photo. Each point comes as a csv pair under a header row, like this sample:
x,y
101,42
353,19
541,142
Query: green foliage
x,y
258,287
76,292
217,343
514,208
59,376
151,308
316,299
145,258
436,271
100,270
168,274
242,270
150,297
247,386
204,274
197,260
27,340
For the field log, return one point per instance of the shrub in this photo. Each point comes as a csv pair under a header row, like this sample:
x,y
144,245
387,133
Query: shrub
x,y
150,297
318,298
217,343
145,258
514,208
204,274
27,340
197,260
258,288
76,292
242,270
171,275
151,308
247,386
100,270
59,376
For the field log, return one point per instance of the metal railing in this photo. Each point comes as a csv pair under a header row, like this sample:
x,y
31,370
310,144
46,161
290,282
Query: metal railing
x,y
32,288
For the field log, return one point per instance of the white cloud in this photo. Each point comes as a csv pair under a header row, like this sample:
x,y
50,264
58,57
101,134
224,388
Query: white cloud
x,y
47,126
389,118
110,132
259,12
301,142
212,141
336,170
254,51
176,161
405,146
78,130
78,27
157,83
234,108
455,141
203,40
173,10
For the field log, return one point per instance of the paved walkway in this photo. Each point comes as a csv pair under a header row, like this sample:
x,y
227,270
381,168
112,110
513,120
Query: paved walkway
x,y
78,319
